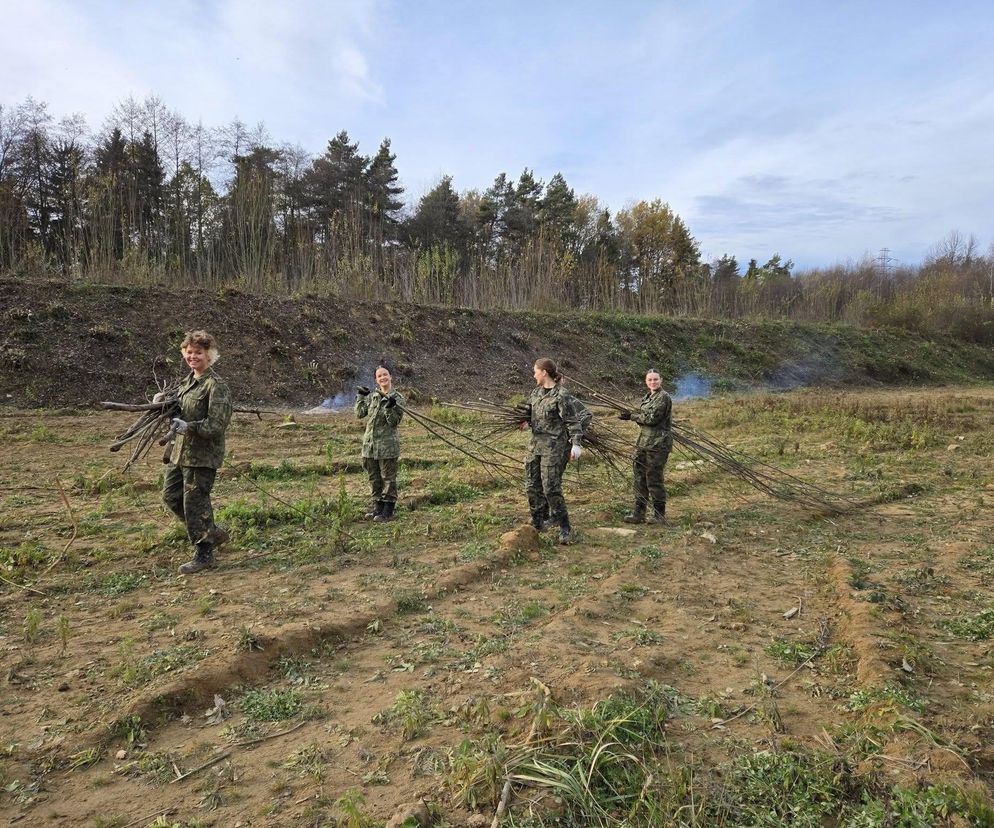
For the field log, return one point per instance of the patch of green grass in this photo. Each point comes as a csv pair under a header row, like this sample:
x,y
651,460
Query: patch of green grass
x,y
632,592
134,672
790,653
117,583
25,557
271,705
475,550
413,711
285,470
443,491
410,602
979,627
893,694
522,615
650,553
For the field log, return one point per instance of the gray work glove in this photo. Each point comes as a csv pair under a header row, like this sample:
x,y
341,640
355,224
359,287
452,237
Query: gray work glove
x,y
180,426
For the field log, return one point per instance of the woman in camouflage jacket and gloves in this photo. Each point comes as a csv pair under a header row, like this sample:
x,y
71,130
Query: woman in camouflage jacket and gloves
x,y
557,421
655,441
205,411
382,410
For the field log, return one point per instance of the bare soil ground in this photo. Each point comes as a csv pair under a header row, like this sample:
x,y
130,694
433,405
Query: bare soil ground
x,y
359,664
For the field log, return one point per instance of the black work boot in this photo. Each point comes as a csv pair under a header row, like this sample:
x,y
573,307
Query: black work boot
x,y
203,558
387,512
538,521
637,515
658,515
565,531
375,510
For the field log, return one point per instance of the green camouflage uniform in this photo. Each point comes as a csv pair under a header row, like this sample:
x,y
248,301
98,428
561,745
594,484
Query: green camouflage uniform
x,y
655,441
558,421
381,443
205,405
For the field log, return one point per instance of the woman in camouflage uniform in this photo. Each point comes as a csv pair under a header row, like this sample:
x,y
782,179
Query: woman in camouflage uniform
x,y
381,444
655,441
557,421
205,411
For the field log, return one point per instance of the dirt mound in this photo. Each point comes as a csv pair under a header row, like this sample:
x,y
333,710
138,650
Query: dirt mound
x,y
72,345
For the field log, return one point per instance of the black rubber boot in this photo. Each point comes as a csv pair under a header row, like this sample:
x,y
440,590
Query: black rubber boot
x,y
565,531
375,510
387,512
637,515
203,558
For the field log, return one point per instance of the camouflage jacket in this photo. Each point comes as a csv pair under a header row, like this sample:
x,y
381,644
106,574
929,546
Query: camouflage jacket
x,y
557,418
380,441
655,419
205,404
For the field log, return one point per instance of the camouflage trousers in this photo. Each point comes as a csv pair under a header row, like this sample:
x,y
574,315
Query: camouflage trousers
x,y
544,484
382,477
647,471
186,490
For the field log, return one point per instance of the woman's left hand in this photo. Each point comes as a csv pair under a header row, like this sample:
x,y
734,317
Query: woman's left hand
x,y
575,452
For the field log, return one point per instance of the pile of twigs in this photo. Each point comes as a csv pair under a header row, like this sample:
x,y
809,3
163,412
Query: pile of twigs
x,y
760,475
152,426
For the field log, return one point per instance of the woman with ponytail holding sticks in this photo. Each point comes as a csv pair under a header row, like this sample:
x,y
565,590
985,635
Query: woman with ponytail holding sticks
x,y
557,421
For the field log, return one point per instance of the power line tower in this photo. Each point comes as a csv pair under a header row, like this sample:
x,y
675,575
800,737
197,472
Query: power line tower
x,y
884,261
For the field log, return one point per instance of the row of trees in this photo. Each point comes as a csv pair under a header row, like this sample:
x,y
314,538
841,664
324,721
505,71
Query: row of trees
x,y
151,197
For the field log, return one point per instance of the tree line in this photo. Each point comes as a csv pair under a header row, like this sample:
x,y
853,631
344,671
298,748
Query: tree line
x,y
153,198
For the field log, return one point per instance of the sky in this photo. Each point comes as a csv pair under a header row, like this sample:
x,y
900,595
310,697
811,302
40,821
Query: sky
x,y
822,130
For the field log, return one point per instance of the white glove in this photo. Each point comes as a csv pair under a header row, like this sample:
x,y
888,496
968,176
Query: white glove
x,y
575,452
181,426
159,397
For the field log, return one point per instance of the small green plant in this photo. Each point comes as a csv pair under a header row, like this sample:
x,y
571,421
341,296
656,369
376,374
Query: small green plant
x,y
650,553
893,694
43,434
117,583
271,705
32,624
26,556
410,602
309,760
790,653
129,729
632,592
83,759
248,641
413,711
350,805
64,630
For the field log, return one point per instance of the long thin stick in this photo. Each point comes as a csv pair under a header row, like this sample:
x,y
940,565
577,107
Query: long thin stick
x,y
204,766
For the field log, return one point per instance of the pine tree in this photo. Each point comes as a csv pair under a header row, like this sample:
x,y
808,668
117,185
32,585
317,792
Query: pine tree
x,y
382,192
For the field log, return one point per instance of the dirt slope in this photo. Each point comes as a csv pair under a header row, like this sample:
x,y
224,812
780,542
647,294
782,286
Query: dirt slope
x,y
74,344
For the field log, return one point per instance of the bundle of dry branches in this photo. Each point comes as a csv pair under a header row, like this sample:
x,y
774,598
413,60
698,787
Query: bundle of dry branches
x,y
603,443
767,478
154,424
